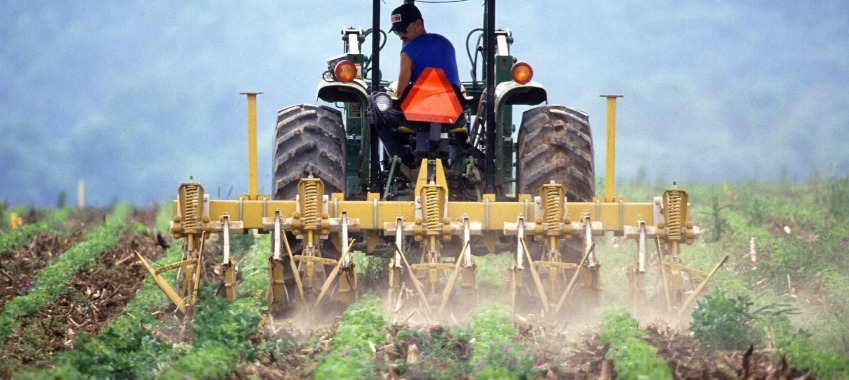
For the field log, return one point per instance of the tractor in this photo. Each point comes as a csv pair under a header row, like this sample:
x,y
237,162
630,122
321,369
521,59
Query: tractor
x,y
460,187
341,146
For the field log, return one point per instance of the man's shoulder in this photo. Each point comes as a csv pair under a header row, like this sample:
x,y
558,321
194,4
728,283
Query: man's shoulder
x,y
438,37
439,41
428,42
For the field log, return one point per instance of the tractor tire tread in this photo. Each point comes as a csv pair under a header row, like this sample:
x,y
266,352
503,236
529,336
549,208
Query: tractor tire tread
x,y
309,139
555,143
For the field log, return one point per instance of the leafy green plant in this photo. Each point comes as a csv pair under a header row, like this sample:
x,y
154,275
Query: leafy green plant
x,y
718,222
757,212
724,323
801,353
234,324
223,333
495,355
632,356
212,361
369,268
796,345
123,350
352,357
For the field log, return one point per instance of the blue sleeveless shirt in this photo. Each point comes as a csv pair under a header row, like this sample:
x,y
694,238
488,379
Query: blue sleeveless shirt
x,y
432,50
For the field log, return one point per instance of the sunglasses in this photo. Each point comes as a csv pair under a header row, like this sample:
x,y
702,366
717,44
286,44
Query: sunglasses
x,y
400,32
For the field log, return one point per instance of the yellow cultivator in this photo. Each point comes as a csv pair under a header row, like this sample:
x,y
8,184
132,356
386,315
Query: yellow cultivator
x,y
539,226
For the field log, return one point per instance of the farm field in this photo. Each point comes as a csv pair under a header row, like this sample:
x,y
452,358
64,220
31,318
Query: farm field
x,y
76,303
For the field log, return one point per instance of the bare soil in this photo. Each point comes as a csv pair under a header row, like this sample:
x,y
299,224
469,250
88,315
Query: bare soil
x,y
19,266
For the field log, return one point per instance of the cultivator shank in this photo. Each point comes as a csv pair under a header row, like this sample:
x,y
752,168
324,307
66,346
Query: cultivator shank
x,y
551,227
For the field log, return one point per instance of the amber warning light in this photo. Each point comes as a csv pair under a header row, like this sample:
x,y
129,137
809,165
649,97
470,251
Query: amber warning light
x,y
522,73
345,71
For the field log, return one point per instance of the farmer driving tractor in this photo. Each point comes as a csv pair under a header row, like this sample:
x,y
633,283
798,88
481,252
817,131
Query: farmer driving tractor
x,y
420,51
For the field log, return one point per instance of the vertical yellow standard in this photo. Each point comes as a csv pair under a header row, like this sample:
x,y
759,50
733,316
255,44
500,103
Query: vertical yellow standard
x,y
609,173
252,170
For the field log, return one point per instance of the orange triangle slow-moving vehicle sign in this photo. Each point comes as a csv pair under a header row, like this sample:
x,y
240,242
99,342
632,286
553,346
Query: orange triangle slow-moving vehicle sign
x,y
432,99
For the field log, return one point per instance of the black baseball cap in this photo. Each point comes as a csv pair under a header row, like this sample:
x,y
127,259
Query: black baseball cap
x,y
402,17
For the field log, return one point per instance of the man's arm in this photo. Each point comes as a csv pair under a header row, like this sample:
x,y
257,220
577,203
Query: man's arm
x,y
404,74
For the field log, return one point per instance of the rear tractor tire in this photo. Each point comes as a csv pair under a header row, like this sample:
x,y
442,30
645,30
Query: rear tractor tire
x,y
555,143
308,140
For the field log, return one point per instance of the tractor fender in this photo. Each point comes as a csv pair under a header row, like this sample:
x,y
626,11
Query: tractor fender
x,y
510,92
352,92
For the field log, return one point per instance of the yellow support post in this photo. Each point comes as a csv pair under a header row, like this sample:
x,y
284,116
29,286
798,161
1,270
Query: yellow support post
x,y
252,169
609,173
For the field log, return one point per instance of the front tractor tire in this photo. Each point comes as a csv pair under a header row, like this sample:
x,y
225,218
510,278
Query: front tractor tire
x,y
308,140
555,144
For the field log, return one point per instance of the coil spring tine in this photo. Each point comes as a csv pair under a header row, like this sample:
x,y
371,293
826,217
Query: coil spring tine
x,y
310,213
552,209
673,215
431,209
192,214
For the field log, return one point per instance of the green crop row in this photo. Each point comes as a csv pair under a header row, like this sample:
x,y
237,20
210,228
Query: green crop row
x,y
632,356
352,356
495,354
223,331
52,280
125,348
18,236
